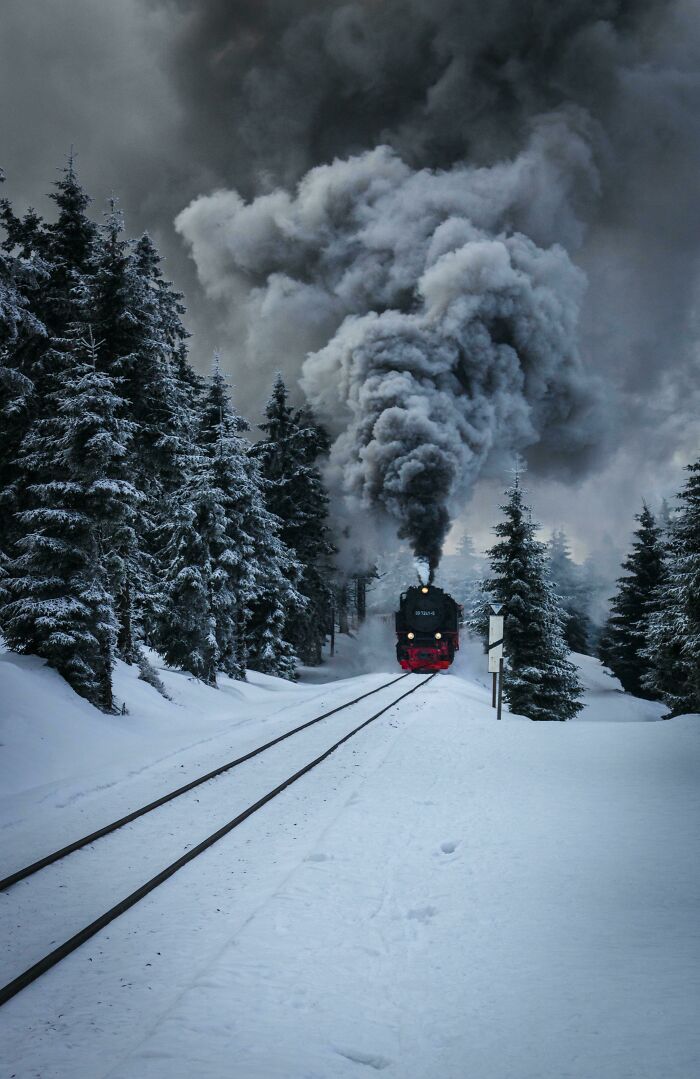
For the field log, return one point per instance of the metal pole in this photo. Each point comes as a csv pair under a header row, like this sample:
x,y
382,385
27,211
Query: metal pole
x,y
493,690
500,687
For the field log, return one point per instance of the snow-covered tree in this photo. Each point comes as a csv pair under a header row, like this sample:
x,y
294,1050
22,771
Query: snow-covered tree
x,y
672,647
459,572
169,384
137,320
58,590
227,577
295,494
187,635
19,327
539,680
253,591
623,638
56,262
570,587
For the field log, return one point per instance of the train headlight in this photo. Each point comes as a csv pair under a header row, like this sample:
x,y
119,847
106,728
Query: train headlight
x,y
425,590
410,636
438,636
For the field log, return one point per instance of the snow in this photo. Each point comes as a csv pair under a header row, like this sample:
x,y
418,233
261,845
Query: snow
x,y
445,896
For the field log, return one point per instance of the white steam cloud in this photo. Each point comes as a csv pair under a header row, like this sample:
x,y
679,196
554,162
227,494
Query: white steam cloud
x,y
430,316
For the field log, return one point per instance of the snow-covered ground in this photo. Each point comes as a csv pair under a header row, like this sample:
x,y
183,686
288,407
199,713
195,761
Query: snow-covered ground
x,y
445,897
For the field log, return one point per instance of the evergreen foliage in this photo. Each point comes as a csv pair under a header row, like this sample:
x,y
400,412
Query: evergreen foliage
x,y
254,597
47,267
18,327
460,572
131,506
195,530
569,586
623,640
539,680
77,527
137,319
295,494
672,648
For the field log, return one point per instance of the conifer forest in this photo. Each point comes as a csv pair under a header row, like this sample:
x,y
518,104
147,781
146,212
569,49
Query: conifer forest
x,y
135,511
349,539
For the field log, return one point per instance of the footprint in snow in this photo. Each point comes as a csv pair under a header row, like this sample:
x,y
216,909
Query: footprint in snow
x,y
449,846
370,1060
317,858
422,914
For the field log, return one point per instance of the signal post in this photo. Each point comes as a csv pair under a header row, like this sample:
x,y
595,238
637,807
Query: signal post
x,y
496,656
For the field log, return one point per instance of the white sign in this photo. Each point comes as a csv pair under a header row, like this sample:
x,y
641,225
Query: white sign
x,y
495,642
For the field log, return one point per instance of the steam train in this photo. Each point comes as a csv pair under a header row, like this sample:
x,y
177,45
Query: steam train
x,y
427,629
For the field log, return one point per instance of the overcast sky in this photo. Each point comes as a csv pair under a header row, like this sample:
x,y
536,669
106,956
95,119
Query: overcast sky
x,y
167,101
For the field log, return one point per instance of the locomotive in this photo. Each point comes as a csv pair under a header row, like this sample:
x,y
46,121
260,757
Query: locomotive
x,y
427,629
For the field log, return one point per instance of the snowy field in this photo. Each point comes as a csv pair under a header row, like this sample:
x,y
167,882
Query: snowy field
x,y
444,898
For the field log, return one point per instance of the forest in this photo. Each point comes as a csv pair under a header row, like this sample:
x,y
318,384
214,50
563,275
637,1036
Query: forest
x,y
138,510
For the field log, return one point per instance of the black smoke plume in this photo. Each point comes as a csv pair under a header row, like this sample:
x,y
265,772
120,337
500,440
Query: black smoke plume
x,y
570,132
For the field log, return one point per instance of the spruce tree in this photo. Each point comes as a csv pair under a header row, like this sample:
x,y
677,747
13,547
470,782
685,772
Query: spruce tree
x,y
459,572
262,568
19,327
539,680
672,647
623,639
226,581
569,586
57,590
295,494
57,261
139,329
197,524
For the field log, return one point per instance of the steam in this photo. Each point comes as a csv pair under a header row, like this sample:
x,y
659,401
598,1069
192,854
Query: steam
x,y
445,312
433,200
423,571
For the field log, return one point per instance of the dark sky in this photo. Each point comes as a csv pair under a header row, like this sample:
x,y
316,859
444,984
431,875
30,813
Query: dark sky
x,y
168,100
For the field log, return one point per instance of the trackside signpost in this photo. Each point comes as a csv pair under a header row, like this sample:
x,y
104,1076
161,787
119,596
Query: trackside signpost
x,y
496,655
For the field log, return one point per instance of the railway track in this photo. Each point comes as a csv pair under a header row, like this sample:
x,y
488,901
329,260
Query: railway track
x,y
113,826
70,945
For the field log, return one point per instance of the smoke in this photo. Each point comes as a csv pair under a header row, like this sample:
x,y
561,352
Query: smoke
x,y
570,133
446,313
438,183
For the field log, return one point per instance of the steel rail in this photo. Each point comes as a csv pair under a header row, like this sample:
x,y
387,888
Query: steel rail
x,y
48,961
56,856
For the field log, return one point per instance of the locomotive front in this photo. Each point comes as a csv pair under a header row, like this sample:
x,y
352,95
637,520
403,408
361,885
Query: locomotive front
x,y
427,629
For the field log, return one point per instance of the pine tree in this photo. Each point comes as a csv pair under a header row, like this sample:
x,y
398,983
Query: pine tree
x,y
623,639
264,568
569,586
459,572
539,680
672,647
137,319
195,528
57,590
18,329
295,494
227,586
56,261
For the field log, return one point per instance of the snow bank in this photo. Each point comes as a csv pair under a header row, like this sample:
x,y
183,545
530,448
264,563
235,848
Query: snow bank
x,y
446,896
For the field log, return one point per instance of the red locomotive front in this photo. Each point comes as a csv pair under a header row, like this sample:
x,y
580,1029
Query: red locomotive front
x,y
427,629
